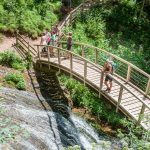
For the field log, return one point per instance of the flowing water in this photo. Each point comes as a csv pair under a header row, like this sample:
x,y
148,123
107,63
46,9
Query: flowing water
x,y
43,120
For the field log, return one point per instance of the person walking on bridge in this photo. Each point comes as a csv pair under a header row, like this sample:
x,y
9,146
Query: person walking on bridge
x,y
108,70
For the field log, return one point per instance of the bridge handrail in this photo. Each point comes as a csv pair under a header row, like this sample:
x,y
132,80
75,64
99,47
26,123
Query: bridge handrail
x,y
25,43
144,105
145,90
117,58
122,86
69,17
97,66
114,56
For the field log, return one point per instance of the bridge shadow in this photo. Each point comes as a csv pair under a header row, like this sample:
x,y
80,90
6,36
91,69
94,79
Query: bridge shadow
x,y
49,87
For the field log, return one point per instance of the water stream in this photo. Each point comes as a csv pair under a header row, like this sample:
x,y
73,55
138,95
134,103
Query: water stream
x,y
45,120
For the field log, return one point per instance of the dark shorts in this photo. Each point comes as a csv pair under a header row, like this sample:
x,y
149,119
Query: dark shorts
x,y
44,49
69,47
108,78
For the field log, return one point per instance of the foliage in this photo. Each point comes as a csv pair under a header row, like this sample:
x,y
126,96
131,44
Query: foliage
x,y
83,97
116,28
29,60
76,2
12,60
135,138
17,79
30,16
131,136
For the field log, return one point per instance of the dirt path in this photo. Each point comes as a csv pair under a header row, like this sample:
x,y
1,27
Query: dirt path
x,y
7,43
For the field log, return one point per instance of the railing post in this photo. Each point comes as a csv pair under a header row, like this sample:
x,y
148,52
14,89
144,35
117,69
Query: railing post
x,y
128,73
119,98
85,71
101,82
70,18
96,56
71,64
48,53
17,38
39,56
147,88
28,47
82,48
141,115
59,61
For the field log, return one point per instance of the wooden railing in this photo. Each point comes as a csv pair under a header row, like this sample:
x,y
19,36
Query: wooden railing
x,y
25,46
125,70
60,53
72,16
96,57
94,64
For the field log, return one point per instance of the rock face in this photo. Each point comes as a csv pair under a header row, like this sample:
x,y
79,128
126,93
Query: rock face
x,y
33,121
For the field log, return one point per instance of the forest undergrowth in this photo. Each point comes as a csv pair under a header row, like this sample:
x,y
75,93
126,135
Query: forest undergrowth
x,y
117,29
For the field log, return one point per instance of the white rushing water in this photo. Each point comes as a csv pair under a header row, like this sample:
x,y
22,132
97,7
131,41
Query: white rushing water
x,y
47,130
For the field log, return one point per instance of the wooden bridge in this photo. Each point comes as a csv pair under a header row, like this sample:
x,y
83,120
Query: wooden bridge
x,y
131,86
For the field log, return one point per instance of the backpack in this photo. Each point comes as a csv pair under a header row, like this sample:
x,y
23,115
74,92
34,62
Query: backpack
x,y
114,66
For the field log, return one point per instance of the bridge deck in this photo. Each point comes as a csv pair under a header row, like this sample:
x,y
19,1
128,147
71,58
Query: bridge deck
x,y
130,105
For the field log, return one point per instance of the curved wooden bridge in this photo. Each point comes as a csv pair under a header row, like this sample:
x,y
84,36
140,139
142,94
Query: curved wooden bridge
x,y
131,86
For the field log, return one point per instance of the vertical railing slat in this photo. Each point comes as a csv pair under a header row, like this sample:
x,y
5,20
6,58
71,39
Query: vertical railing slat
x,y
141,114
96,56
147,87
39,56
119,98
128,73
71,64
85,71
101,82
48,53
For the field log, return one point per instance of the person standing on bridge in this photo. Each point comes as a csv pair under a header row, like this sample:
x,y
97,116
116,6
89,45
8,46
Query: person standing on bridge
x,y
56,30
69,42
108,70
43,42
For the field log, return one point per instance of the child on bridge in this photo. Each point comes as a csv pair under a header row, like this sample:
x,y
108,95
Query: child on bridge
x,y
108,70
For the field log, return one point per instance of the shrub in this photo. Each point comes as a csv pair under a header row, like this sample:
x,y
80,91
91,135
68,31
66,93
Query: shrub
x,y
17,79
10,59
83,97
29,60
30,16
20,85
